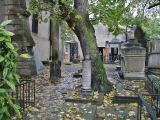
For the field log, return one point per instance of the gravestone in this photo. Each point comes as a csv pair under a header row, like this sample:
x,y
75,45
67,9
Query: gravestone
x,y
140,36
20,27
55,70
133,60
86,74
154,54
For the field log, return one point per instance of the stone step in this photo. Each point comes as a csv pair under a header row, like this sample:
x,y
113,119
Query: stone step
x,y
84,97
76,111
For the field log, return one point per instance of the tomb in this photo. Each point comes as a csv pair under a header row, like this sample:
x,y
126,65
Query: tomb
x,y
133,60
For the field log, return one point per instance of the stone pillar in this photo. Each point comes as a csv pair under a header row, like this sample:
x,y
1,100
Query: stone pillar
x,y
86,74
133,60
55,65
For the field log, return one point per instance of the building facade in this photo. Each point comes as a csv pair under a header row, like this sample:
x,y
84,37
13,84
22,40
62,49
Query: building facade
x,y
31,36
107,43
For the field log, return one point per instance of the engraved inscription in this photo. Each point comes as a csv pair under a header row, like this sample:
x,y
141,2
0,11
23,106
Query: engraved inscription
x,y
86,74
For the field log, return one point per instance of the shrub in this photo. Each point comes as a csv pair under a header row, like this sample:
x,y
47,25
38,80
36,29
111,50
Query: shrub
x,y
8,76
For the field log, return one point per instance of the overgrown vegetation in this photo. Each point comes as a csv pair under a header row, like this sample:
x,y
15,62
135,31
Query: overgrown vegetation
x,y
8,76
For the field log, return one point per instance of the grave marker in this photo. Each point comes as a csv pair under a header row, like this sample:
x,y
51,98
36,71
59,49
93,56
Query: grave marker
x,y
86,74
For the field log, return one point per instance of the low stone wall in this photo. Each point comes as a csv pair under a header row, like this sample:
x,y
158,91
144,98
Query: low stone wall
x,y
154,60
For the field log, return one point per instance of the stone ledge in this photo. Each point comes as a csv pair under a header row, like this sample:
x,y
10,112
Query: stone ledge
x,y
86,98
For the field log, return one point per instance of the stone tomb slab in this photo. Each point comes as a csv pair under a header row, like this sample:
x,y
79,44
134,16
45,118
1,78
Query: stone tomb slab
x,y
85,97
127,91
120,113
76,111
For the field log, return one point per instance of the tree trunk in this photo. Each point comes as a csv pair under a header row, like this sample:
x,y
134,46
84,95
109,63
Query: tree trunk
x,y
86,35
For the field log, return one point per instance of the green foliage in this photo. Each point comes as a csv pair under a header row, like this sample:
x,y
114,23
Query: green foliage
x,y
152,28
108,12
66,32
8,76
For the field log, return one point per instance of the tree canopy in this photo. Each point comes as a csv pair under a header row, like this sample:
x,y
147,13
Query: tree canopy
x,y
108,12
79,14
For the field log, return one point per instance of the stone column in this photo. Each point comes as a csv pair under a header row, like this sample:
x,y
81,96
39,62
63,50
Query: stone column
x,y
55,65
86,74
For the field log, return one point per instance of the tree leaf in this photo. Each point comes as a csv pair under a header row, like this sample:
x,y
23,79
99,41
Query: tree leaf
x,y
25,55
3,109
8,38
2,90
12,86
17,77
1,58
5,72
1,84
16,108
1,115
8,33
1,39
10,75
2,101
5,23
8,114
9,45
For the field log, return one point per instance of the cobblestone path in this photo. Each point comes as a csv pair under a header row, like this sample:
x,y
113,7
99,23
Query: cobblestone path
x,y
49,95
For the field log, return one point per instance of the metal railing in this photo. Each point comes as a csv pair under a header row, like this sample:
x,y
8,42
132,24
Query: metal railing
x,y
156,86
151,107
24,95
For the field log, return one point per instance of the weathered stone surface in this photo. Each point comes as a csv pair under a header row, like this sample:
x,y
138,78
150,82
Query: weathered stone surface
x,y
75,110
86,75
113,113
86,98
140,36
133,60
127,91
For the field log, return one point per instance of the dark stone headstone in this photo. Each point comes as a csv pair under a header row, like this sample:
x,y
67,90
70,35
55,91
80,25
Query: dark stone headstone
x,y
55,70
140,36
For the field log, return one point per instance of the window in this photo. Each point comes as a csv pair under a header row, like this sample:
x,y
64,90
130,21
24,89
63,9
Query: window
x,y
34,23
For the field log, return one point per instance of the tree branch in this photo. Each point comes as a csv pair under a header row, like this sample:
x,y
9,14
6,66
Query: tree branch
x,y
154,5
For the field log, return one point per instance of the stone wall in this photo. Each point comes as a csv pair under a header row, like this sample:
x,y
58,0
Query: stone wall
x,y
154,54
154,61
1,11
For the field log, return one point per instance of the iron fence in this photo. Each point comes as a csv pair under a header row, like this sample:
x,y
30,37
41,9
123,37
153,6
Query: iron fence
x,y
152,107
156,86
24,95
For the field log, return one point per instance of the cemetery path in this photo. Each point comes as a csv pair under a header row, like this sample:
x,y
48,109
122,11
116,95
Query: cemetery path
x,y
51,96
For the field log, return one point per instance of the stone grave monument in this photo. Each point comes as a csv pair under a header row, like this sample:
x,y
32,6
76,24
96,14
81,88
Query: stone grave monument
x,y
133,60
154,54
86,74
20,27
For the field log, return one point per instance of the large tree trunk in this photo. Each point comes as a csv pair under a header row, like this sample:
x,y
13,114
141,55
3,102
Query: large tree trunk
x,y
86,35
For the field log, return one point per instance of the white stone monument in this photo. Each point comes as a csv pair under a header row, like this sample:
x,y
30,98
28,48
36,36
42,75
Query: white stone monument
x,y
133,60
86,74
